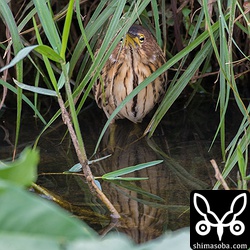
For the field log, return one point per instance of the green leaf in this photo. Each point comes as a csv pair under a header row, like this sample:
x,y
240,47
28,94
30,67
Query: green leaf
x,y
118,178
9,20
25,214
48,24
178,239
75,169
98,184
66,28
34,89
115,174
42,49
49,52
20,56
14,241
23,171
78,167
62,79
16,41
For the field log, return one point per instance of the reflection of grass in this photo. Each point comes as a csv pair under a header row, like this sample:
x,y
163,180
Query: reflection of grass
x,y
132,187
154,199
204,38
177,169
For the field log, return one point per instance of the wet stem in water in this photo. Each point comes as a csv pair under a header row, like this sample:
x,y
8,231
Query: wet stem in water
x,y
84,162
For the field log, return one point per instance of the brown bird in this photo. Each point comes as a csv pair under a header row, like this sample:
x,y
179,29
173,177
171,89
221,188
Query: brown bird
x,y
134,59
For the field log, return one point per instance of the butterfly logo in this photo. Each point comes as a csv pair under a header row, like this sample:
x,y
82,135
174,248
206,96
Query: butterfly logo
x,y
203,227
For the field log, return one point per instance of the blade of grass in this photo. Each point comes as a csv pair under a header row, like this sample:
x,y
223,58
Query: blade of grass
x,y
37,79
17,46
34,89
66,29
22,53
46,60
48,24
42,49
155,10
118,178
131,169
224,89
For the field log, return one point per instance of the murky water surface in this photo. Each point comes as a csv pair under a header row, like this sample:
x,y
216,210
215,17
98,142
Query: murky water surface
x,y
148,207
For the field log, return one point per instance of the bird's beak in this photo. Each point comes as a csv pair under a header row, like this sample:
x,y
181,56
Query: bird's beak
x,y
131,40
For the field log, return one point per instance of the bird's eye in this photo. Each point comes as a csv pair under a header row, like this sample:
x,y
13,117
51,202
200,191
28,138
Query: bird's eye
x,y
141,38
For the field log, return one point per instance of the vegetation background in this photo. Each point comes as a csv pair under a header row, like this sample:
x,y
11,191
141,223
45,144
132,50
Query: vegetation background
x,y
47,49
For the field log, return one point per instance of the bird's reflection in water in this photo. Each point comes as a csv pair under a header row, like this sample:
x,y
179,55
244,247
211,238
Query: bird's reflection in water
x,y
147,207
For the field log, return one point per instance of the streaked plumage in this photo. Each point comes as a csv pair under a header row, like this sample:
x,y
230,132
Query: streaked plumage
x,y
130,63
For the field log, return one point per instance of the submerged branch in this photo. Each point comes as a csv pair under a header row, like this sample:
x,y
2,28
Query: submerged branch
x,y
218,175
84,162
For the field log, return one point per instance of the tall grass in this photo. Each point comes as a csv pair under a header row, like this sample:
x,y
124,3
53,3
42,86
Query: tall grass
x,y
208,31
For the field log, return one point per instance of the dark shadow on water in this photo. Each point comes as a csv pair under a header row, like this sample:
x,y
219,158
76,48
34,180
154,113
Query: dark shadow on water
x,y
148,207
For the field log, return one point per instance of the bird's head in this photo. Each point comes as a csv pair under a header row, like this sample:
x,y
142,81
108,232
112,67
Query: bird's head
x,y
136,36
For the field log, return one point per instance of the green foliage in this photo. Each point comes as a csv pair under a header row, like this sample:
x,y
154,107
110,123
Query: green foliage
x,y
23,171
30,222
17,46
36,217
26,218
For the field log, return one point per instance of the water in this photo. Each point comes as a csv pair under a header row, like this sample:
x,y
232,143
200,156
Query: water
x,y
148,207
